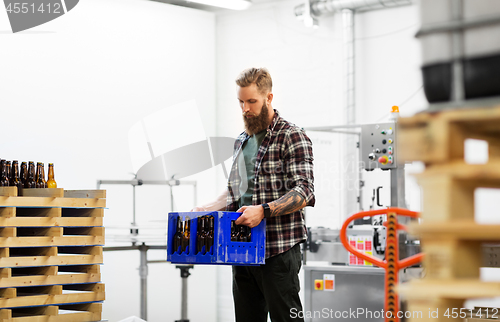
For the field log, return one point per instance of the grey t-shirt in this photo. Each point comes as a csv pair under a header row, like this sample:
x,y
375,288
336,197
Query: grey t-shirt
x,y
246,166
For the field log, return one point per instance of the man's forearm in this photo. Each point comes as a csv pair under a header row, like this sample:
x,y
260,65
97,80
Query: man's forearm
x,y
219,204
292,201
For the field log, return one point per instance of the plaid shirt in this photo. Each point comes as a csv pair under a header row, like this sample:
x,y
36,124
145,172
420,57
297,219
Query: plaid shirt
x,y
284,162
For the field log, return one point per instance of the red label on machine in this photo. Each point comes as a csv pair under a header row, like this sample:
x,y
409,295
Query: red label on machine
x,y
329,282
368,245
352,258
360,245
364,244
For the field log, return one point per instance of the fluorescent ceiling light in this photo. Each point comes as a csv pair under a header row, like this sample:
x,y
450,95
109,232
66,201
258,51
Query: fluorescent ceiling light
x,y
228,4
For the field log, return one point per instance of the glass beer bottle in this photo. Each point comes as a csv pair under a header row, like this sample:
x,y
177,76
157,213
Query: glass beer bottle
x,y
186,236
51,182
15,181
24,173
234,233
4,180
44,182
210,233
201,236
38,176
30,181
8,169
243,235
177,239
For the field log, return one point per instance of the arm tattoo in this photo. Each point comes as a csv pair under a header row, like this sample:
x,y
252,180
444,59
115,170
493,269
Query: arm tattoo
x,y
292,201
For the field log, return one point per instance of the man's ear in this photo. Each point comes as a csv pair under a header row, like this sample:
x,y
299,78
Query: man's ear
x,y
270,97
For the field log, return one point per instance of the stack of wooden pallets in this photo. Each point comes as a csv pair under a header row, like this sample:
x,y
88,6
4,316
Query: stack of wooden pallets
x,y
450,237
50,250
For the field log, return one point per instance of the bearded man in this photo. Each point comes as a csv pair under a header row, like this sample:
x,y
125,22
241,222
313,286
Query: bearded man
x,y
271,178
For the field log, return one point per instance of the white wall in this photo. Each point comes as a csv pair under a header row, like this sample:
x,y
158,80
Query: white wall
x,y
70,90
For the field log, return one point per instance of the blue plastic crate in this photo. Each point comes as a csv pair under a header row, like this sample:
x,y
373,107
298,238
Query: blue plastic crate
x,y
224,251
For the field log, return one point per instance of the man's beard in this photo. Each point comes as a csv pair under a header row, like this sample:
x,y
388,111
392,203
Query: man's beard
x,y
257,123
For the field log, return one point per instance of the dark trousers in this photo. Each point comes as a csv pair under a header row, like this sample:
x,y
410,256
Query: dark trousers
x,y
271,288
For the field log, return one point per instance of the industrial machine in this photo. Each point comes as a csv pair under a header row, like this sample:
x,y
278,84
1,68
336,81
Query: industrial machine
x,y
339,284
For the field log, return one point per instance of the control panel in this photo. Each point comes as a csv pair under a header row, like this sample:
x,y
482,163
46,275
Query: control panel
x,y
377,146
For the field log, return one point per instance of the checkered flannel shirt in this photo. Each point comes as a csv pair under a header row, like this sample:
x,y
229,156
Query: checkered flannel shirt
x,y
284,162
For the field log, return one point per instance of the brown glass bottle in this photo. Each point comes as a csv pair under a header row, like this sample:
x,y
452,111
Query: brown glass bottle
x,y
15,165
30,181
198,232
9,170
209,240
15,180
249,234
51,182
38,176
37,171
186,236
4,180
42,166
177,239
234,232
200,242
207,230
243,235
24,173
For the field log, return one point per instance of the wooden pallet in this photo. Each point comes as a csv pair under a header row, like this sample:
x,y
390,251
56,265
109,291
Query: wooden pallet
x,y
439,137
450,289
60,313
50,256
50,250
51,294
450,238
49,275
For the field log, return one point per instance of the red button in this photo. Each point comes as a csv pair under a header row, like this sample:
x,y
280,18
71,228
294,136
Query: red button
x,y
383,160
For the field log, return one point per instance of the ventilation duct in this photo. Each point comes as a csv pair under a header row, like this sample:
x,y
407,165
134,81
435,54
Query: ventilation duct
x,y
324,7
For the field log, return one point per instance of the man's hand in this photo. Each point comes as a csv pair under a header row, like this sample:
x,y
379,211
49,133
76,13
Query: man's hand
x,y
198,209
251,216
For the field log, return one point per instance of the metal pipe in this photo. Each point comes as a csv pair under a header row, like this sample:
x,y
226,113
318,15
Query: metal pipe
x,y
184,303
345,132
139,182
124,248
322,7
133,205
184,292
171,200
350,194
348,45
143,273
454,25
329,128
398,187
157,261
458,90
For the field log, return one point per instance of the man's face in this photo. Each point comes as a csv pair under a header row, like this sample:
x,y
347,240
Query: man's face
x,y
254,109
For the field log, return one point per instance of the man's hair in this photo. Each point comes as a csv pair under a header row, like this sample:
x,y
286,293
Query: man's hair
x,y
257,76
